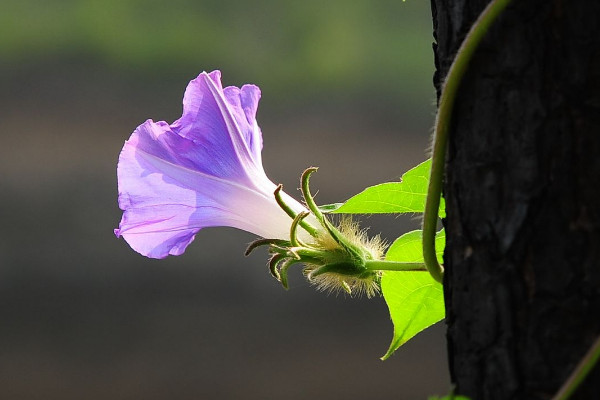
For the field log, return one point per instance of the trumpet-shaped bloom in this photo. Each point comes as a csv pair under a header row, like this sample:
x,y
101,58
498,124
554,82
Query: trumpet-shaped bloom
x,y
202,170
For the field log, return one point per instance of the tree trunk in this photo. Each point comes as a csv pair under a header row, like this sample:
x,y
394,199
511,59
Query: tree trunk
x,y
522,188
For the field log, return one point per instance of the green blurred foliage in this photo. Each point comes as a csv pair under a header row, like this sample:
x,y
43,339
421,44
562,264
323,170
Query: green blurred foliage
x,y
355,47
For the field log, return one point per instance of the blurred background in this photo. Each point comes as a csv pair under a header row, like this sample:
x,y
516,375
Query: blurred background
x,y
346,87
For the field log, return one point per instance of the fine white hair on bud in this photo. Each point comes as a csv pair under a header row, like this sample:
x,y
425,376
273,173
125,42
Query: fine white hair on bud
x,y
355,284
333,282
350,229
335,258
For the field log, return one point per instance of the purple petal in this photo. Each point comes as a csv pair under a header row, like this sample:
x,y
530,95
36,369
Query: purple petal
x,y
244,102
223,124
166,200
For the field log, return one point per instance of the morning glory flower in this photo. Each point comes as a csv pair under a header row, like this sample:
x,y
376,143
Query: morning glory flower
x,y
203,170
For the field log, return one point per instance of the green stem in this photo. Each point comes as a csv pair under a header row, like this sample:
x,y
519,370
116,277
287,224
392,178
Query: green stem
x,y
585,366
383,265
442,125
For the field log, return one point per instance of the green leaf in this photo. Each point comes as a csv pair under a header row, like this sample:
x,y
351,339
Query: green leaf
x,y
415,300
449,397
409,247
406,196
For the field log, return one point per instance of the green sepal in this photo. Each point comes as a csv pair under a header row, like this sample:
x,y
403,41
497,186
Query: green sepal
x,y
342,268
273,263
283,271
277,243
312,206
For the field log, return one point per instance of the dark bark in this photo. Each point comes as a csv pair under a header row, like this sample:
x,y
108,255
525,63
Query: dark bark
x,y
522,190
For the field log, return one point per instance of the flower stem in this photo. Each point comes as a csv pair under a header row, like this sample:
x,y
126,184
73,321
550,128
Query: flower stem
x,y
442,125
383,265
585,366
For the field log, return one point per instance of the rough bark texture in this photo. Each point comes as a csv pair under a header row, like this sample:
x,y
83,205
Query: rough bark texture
x,y
523,196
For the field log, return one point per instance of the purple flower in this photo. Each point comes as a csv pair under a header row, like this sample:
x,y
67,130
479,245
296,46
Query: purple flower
x,y
203,170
